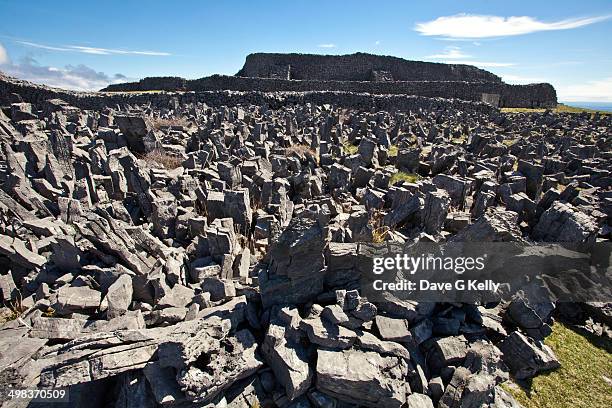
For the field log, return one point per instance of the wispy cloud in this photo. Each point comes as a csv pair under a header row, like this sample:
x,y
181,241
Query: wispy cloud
x,y
92,50
450,53
590,91
377,42
463,26
106,51
42,46
329,45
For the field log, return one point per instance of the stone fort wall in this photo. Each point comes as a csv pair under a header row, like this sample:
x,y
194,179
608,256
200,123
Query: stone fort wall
x,y
154,83
357,67
360,73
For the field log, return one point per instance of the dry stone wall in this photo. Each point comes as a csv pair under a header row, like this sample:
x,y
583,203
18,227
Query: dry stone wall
x,y
529,96
37,94
533,95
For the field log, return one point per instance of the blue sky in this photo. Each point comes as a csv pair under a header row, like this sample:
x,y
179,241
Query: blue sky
x,y
86,45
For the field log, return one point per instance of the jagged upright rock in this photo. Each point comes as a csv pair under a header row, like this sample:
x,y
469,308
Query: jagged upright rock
x,y
135,129
288,359
295,273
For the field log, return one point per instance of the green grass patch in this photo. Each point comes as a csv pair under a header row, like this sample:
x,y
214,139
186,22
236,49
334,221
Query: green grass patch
x,y
153,91
403,176
571,109
522,110
583,381
350,148
393,151
561,108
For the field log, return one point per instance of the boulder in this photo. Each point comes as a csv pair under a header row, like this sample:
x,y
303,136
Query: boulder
x,y
327,334
77,299
526,357
363,378
564,223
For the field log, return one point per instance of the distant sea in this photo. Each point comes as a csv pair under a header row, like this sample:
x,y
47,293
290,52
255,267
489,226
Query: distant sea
x,y
602,106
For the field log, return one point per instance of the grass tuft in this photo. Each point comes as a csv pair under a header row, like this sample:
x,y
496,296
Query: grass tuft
x,y
6,315
459,140
303,152
13,309
583,381
159,123
350,148
379,234
403,176
163,159
393,151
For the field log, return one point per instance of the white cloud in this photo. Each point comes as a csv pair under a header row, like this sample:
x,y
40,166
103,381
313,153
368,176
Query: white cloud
x,y
92,50
76,77
591,91
106,51
377,43
450,53
454,55
518,79
330,45
462,26
3,55
481,64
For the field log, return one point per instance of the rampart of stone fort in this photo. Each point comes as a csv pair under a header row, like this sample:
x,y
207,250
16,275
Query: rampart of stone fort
x,y
360,73
357,67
